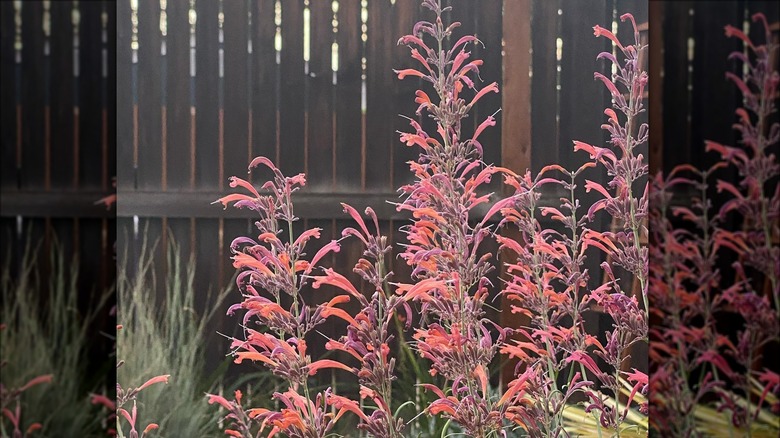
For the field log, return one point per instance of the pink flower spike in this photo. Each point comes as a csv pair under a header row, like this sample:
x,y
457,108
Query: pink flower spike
x,y
490,121
610,85
627,16
213,398
611,114
326,363
335,279
406,39
591,185
732,31
408,72
264,161
344,404
600,31
416,55
46,378
332,246
235,197
238,182
153,380
130,418
99,399
490,88
356,216
459,59
740,84
759,16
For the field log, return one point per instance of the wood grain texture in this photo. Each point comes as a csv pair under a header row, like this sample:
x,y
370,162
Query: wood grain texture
x,y
291,96
237,99
320,135
149,100
348,148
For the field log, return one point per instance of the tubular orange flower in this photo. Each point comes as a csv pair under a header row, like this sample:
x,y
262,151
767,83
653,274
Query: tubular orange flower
x,y
327,363
600,31
408,72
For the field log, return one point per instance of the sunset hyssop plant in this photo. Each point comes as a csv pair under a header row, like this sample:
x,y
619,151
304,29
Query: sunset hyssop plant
x,y
119,408
10,403
453,215
693,360
276,319
368,334
449,274
548,280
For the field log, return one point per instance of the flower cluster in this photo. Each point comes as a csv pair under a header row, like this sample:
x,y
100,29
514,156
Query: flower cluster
x,y
449,272
9,396
690,356
123,398
547,280
368,333
276,321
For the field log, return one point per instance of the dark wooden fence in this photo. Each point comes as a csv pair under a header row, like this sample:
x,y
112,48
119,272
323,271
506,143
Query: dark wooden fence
x,y
203,86
207,85
689,53
58,131
58,68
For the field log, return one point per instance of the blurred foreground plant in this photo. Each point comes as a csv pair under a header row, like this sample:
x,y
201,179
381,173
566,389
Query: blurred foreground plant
x,y
702,373
46,337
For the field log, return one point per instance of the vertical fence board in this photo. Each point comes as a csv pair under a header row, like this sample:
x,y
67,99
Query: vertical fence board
x,y
348,95
582,101
111,98
89,257
178,95
380,140
319,82
292,97
124,100
179,233
264,80
712,49
62,99
655,85
582,98
236,96
516,139
149,101
544,97
206,96
33,83
677,29
90,102
9,246
8,175
208,264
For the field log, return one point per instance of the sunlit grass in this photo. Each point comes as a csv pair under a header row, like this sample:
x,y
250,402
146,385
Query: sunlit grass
x,y
163,334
